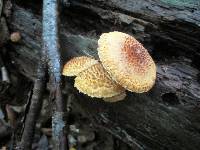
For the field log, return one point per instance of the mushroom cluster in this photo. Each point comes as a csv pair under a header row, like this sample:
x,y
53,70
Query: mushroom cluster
x,y
124,65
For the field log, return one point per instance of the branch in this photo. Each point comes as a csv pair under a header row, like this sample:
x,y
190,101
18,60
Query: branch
x,y
35,106
51,44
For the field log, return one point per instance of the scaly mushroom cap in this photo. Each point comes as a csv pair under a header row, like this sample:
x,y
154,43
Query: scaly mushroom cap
x,y
96,82
127,61
77,64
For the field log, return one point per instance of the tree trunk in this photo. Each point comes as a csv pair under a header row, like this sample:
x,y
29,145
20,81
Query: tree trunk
x,y
167,117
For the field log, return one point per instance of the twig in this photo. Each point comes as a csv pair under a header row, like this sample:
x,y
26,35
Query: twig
x,y
35,106
51,44
50,48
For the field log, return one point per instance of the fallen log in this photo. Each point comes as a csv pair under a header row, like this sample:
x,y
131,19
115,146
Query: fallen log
x,y
167,117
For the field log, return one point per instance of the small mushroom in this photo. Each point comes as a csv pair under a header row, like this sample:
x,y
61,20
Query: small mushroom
x,y
127,61
96,82
15,37
77,64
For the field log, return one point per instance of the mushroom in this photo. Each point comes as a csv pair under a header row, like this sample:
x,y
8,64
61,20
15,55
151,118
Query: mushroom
x,y
96,82
15,37
77,64
127,61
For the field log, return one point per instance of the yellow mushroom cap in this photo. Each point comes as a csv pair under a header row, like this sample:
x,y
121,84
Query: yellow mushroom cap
x,y
77,65
96,82
127,61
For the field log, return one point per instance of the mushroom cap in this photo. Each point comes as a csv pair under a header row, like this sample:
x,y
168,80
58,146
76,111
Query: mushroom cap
x,y
127,61
96,82
77,64
116,98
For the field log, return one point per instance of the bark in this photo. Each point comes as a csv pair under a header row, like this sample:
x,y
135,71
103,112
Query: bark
x,y
167,117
